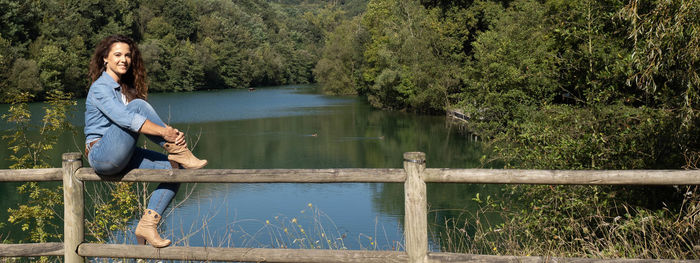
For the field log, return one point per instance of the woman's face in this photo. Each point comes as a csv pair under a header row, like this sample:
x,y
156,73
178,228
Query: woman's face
x,y
118,59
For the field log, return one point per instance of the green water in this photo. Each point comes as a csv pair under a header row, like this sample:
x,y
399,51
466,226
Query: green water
x,y
293,127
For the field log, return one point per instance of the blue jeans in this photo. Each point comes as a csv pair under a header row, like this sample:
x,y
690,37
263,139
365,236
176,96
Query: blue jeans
x,y
116,152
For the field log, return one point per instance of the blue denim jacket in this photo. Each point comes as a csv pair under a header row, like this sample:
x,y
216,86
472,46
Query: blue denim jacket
x,y
104,108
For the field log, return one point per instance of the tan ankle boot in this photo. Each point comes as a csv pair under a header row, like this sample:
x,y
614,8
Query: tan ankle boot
x,y
146,230
183,156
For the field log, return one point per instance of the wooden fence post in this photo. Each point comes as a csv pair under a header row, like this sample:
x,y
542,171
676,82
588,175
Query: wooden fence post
x,y
416,205
73,208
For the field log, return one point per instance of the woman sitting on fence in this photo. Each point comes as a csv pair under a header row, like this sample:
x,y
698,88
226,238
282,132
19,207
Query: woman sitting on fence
x,y
116,113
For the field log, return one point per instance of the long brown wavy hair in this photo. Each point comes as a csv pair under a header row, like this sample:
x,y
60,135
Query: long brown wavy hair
x,y
134,83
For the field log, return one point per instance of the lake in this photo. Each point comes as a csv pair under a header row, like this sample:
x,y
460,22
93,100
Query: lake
x,y
292,127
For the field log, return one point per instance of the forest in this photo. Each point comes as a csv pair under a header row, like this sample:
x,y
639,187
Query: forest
x,y
551,84
187,45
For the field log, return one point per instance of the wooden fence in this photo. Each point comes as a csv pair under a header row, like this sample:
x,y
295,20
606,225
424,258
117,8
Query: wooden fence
x,y
414,175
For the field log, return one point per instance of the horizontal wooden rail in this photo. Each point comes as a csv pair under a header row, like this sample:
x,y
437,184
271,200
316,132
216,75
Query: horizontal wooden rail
x,y
252,176
31,250
362,175
315,255
31,175
240,254
579,177
432,175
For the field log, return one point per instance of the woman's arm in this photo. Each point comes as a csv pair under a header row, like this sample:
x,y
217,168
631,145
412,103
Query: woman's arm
x,y
168,133
103,98
115,110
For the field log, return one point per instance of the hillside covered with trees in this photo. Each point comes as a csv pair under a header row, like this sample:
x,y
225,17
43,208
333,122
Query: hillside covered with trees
x,y
187,45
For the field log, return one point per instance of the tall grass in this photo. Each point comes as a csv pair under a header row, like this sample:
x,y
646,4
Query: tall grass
x,y
310,228
670,232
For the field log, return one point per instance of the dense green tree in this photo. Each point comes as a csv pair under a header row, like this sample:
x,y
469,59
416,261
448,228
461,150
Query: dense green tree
x,y
24,77
234,67
323,21
181,15
173,65
186,72
514,65
61,66
665,54
154,56
269,66
6,63
408,65
158,28
50,64
18,21
338,71
591,66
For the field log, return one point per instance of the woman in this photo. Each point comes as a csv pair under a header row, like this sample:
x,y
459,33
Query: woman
x,y
116,112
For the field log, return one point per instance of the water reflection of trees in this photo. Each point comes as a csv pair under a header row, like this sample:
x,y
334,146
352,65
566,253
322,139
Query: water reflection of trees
x,y
444,149
358,137
445,201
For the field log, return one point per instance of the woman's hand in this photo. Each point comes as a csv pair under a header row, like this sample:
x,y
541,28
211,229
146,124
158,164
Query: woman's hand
x,y
168,133
173,135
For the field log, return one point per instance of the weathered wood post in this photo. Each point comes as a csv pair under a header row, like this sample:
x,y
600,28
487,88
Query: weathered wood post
x,y
416,205
73,210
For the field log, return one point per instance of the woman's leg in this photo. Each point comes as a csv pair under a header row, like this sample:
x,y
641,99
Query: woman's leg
x,y
114,151
147,228
178,153
164,193
144,108
117,152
